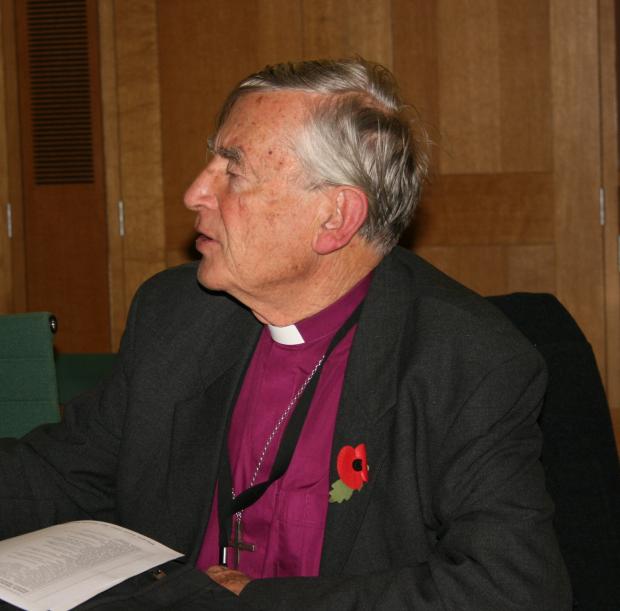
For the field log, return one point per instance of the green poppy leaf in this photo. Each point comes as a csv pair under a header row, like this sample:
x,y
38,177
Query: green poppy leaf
x,y
340,492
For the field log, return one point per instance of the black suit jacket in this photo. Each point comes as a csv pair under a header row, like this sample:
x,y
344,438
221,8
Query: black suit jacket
x,y
440,387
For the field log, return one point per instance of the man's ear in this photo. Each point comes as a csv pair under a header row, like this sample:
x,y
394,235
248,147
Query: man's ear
x,y
346,213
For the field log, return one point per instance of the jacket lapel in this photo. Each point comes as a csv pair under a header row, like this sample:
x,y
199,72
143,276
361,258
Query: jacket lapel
x,y
199,428
365,411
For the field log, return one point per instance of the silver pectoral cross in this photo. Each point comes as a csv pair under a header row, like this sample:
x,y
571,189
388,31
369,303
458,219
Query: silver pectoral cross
x,y
238,544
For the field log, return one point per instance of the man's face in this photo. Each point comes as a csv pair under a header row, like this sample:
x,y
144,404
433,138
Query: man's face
x,y
255,218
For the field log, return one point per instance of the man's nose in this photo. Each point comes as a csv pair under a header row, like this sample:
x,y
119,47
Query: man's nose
x,y
201,192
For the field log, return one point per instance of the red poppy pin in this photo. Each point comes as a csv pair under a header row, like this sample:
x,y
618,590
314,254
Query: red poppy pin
x,y
353,471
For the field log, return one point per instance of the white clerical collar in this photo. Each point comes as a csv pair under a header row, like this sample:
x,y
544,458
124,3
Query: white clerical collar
x,y
289,336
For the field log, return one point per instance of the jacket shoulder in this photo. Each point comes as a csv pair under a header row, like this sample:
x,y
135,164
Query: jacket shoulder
x,y
172,304
445,311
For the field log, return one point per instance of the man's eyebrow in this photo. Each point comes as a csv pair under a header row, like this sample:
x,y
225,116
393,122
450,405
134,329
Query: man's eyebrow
x,y
231,153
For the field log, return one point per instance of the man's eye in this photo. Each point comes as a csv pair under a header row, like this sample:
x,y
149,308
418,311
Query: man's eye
x,y
231,172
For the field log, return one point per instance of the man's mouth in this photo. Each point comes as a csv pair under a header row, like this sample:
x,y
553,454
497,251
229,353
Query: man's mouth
x,y
203,240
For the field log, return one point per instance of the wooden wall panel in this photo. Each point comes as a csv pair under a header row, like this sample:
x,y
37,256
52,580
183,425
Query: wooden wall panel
x,y
205,47
139,124
488,214
493,61
6,272
577,163
486,209
342,28
119,300
15,292
608,32
463,263
507,269
530,268
469,92
525,86
415,59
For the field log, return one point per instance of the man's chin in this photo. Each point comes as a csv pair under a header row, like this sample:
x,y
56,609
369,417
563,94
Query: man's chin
x,y
208,278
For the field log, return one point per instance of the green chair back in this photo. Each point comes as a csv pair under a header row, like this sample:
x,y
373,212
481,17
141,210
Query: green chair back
x,y
28,391
76,373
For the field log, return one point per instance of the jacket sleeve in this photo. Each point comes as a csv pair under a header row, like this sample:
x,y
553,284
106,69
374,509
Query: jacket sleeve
x,y
493,546
66,471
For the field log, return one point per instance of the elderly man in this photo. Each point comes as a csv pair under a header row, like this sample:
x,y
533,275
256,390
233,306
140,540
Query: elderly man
x,y
323,420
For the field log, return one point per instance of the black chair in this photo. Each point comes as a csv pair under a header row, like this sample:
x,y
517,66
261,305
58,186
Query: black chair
x,y
579,452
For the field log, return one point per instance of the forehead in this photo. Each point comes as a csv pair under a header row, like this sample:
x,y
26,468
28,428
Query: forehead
x,y
265,117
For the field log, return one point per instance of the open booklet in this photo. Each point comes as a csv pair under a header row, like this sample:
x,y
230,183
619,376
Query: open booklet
x,y
59,567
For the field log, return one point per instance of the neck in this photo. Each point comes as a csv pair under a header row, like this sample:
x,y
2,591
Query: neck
x,y
331,279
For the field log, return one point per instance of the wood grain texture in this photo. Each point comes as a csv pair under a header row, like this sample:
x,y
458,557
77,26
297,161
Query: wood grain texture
x,y
530,268
415,63
485,209
16,302
494,86
119,301
483,66
342,28
6,271
480,268
63,275
138,96
609,133
64,218
469,92
495,269
577,166
205,47
525,86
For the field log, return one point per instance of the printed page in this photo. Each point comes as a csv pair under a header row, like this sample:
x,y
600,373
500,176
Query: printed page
x,y
59,567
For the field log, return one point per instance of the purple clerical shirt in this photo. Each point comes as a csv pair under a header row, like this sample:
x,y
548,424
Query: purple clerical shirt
x,y
287,523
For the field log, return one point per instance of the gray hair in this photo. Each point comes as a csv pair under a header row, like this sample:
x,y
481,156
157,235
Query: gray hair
x,y
360,135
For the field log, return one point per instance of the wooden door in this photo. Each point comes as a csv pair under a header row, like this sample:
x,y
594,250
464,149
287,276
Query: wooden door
x,y
12,293
62,207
